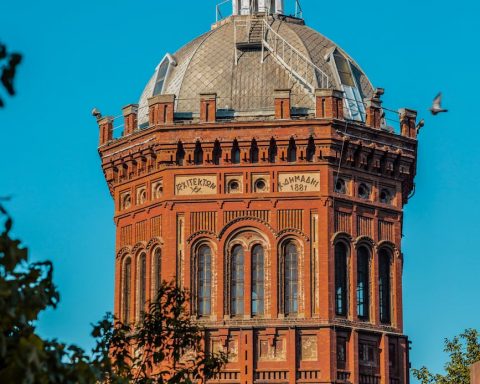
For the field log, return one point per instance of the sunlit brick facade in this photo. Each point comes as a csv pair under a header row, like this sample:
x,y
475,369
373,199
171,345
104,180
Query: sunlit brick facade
x,y
282,216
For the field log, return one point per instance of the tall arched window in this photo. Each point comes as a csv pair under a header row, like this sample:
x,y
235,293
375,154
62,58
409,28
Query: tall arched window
x,y
384,286
235,153
254,152
157,271
237,281
180,155
311,149
126,294
142,283
341,290
291,278
198,154
258,280
272,150
204,280
363,283
292,151
217,153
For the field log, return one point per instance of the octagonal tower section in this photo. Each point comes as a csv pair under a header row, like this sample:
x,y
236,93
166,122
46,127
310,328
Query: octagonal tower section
x,y
284,223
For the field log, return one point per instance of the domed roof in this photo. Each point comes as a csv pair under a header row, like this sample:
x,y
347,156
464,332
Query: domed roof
x,y
243,82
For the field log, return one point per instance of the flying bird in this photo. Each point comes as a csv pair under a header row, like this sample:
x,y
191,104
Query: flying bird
x,y
437,105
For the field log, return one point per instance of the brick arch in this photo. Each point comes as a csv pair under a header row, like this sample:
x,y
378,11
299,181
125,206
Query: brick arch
x,y
391,247
154,242
202,234
342,236
246,222
365,240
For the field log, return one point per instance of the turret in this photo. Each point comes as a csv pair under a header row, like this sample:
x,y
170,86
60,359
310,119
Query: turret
x,y
247,7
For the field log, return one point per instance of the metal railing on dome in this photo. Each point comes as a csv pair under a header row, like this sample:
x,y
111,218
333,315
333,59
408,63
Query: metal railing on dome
x,y
293,60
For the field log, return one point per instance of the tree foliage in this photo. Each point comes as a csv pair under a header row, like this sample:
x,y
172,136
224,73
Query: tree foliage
x,y
164,347
463,350
8,67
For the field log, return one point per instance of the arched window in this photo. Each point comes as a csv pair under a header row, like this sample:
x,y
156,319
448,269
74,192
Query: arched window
x,y
292,151
311,149
272,150
363,283
291,278
142,283
126,294
384,286
235,153
341,291
237,281
157,271
180,156
254,152
217,153
258,280
198,154
204,280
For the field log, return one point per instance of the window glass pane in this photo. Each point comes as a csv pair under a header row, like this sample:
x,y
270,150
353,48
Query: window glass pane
x,y
343,68
384,286
126,290
158,269
237,287
257,280
143,283
341,293
204,280
291,279
363,283
161,76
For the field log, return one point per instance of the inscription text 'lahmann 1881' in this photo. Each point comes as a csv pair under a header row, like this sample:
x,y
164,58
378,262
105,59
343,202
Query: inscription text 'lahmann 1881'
x,y
196,185
299,182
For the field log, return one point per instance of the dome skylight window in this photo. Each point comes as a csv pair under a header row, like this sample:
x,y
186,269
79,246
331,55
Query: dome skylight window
x,y
346,72
162,72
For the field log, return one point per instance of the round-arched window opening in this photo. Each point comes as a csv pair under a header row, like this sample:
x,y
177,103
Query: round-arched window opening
x,y
158,190
260,185
363,191
127,202
386,196
142,197
341,186
234,186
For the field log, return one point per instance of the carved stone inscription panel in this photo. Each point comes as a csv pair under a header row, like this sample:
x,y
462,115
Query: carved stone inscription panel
x,y
195,185
299,182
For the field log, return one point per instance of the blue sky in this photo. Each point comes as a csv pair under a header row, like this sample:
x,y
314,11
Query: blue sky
x,y
101,53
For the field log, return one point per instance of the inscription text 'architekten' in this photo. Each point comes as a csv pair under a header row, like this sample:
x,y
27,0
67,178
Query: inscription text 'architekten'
x,y
196,185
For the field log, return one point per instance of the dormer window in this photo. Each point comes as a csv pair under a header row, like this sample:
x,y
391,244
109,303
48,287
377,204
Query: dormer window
x,y
346,76
162,72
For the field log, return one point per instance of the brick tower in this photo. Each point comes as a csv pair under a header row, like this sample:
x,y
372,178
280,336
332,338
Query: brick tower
x,y
258,172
